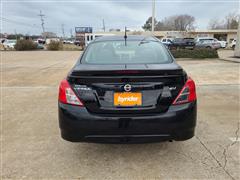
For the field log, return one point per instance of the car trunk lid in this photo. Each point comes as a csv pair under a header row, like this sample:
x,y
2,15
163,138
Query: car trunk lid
x,y
156,84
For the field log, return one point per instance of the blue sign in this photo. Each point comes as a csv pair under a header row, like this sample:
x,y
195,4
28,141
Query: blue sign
x,y
83,29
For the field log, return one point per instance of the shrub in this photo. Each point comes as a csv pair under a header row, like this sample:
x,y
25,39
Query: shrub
x,y
23,45
197,53
55,46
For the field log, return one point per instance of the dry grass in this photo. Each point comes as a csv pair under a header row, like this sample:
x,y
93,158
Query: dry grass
x,y
71,47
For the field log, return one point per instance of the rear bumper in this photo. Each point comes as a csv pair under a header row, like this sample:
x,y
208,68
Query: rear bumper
x,y
78,125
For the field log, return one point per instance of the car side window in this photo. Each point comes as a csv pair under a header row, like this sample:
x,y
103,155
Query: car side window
x,y
207,41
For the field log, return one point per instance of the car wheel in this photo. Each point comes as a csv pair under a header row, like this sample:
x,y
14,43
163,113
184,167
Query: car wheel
x,y
208,47
233,47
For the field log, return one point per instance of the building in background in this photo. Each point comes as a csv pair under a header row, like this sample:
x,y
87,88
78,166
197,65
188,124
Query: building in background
x,y
80,35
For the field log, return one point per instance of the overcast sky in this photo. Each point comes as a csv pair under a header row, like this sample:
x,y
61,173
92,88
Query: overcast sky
x,y
22,16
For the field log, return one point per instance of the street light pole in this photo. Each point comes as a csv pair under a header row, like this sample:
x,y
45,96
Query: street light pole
x,y
153,15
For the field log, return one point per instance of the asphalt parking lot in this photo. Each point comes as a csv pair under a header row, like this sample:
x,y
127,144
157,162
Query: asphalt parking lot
x,y
32,147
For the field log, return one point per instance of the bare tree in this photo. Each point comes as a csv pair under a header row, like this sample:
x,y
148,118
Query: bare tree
x,y
159,26
229,22
177,22
232,21
216,24
183,22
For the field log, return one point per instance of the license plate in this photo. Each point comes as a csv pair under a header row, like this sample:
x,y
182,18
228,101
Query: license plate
x,y
127,99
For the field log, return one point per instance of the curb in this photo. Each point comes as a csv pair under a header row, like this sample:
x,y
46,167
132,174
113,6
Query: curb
x,y
230,60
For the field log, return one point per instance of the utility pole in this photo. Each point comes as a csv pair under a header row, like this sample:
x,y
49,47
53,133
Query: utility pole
x,y
104,28
15,33
153,16
42,20
71,33
63,31
237,47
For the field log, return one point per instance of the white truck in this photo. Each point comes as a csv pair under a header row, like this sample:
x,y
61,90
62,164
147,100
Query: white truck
x,y
91,36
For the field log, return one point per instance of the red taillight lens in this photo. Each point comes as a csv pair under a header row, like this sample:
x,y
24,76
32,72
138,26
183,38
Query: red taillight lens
x,y
187,94
66,94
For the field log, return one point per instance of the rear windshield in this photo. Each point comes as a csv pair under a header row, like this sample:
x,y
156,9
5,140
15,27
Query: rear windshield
x,y
133,52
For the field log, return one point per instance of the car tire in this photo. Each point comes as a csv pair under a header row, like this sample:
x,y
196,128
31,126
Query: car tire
x,y
233,47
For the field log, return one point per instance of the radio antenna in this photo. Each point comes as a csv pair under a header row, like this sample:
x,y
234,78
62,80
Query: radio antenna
x,y
125,36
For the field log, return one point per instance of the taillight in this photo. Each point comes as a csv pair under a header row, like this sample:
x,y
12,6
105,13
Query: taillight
x,y
66,94
187,94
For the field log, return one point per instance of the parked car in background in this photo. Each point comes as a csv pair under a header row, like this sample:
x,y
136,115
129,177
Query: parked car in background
x,y
40,46
210,44
2,40
68,41
166,41
203,38
9,43
77,42
182,43
41,41
222,43
233,44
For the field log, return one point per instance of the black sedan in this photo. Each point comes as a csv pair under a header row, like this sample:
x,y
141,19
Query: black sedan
x,y
127,90
182,43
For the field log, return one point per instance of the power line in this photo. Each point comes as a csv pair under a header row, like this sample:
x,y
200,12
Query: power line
x,y
71,33
19,23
